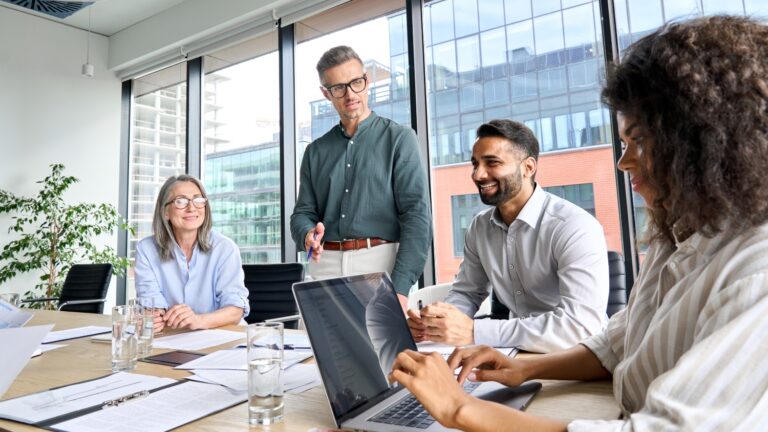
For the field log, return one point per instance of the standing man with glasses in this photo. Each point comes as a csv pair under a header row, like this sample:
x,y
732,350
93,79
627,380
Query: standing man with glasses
x,y
363,202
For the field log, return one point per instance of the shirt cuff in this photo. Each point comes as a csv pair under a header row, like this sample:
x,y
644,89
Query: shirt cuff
x,y
236,301
487,331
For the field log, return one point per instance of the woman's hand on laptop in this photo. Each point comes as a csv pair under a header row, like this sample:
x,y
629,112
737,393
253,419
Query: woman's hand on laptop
x,y
429,378
483,363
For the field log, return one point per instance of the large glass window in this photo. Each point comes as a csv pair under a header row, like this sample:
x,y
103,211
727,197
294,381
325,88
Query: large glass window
x,y
644,17
241,164
158,146
540,65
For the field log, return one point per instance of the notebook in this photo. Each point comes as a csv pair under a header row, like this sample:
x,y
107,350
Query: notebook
x,y
357,327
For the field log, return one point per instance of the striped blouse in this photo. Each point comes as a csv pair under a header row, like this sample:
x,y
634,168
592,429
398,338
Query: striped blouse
x,y
689,352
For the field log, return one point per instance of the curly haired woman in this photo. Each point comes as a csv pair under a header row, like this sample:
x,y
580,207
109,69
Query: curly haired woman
x,y
688,352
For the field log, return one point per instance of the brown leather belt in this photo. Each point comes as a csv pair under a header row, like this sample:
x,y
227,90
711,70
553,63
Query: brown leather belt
x,y
353,244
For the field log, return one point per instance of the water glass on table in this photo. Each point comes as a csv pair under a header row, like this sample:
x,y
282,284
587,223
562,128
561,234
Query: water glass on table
x,y
265,373
145,323
124,338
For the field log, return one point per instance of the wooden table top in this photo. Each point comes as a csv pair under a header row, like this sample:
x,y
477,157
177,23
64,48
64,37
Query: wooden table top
x,y
82,359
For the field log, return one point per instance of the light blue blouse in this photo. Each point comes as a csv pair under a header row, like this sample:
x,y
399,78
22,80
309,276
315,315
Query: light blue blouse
x,y
212,280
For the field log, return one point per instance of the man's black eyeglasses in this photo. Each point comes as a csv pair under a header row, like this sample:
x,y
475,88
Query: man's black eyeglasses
x,y
340,90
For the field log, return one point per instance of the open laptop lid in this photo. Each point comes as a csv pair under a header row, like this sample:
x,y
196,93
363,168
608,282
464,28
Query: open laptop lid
x,y
357,328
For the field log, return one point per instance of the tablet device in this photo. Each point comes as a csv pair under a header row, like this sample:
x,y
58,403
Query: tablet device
x,y
172,358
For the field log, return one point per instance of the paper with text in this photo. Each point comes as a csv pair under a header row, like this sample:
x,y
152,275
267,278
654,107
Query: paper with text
x,y
197,340
160,411
41,406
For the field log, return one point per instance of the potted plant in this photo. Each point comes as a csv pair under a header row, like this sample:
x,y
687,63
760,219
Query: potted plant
x,y
53,235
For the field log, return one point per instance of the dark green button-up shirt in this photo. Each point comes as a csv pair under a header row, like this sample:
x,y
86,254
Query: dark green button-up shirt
x,y
372,184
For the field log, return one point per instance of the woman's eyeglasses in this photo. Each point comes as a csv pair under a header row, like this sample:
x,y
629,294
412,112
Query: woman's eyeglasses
x,y
183,202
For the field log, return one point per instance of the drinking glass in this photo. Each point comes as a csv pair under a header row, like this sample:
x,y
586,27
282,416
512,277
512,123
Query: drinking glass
x,y
124,340
265,373
145,323
12,298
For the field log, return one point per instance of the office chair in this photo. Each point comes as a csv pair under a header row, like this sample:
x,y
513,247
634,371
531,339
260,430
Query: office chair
x,y
84,289
617,294
269,292
617,290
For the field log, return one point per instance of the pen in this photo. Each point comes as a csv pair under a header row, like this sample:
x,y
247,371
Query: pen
x,y
309,253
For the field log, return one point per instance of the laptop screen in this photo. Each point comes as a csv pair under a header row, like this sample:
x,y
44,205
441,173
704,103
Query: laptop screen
x,y
357,328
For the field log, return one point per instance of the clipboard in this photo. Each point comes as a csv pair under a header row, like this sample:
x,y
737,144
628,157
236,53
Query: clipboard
x,y
191,401
37,401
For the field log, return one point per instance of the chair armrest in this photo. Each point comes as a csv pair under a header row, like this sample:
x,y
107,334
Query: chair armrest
x,y
79,302
40,300
288,318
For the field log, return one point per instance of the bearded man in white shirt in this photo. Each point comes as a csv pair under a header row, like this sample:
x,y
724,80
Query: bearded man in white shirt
x,y
544,258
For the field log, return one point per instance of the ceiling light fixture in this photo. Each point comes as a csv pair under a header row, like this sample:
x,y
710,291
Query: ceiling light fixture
x,y
87,66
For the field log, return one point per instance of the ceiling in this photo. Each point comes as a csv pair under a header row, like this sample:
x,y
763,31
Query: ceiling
x,y
107,16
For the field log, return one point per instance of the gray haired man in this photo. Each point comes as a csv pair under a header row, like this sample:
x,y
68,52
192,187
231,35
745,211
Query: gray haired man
x,y
363,203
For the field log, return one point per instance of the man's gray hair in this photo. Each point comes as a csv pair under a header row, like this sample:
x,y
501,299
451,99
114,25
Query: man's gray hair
x,y
334,57
161,226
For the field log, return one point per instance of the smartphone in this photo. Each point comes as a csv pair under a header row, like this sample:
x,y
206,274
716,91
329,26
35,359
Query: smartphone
x,y
172,358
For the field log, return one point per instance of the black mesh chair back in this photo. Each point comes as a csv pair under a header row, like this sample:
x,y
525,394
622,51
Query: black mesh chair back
x,y
617,294
269,291
85,282
617,289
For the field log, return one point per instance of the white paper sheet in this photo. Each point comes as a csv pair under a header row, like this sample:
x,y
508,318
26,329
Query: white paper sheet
x,y
48,404
160,411
235,359
11,316
296,379
197,340
18,344
74,333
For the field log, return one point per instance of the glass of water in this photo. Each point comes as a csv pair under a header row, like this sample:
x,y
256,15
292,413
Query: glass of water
x,y
124,339
145,323
265,373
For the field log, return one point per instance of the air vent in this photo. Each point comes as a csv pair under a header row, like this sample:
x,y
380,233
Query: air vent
x,y
58,9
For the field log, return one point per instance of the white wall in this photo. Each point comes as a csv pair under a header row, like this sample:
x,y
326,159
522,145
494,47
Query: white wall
x,y
49,113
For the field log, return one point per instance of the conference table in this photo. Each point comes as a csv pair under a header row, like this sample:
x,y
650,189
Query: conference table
x,y
81,359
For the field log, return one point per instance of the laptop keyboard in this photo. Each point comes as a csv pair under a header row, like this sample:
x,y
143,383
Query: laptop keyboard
x,y
409,412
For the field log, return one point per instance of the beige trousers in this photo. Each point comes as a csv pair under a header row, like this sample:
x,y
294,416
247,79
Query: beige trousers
x,y
337,263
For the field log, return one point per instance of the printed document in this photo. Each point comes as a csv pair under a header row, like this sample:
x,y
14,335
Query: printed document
x,y
197,340
236,359
41,406
162,410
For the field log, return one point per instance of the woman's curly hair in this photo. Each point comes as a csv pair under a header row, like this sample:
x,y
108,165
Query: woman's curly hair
x,y
700,88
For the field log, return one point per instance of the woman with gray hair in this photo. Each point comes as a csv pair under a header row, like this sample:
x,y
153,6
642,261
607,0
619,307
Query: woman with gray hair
x,y
188,270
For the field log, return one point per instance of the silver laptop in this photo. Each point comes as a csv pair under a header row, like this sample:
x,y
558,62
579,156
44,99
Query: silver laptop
x,y
356,327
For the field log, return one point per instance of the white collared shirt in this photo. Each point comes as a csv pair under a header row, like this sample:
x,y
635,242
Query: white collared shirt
x,y
689,351
549,267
